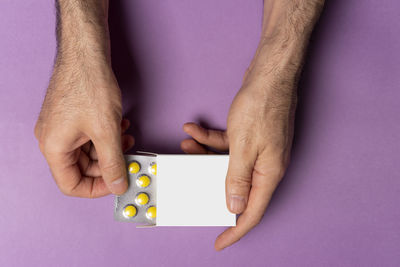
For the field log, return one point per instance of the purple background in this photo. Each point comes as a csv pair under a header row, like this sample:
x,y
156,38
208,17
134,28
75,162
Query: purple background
x,y
178,61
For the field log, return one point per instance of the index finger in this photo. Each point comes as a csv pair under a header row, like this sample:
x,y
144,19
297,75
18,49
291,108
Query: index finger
x,y
68,177
259,198
62,156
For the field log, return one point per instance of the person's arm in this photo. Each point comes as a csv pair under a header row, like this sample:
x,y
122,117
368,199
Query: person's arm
x,y
261,119
80,125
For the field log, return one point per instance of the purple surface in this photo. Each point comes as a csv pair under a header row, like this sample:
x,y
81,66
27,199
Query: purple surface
x,y
178,61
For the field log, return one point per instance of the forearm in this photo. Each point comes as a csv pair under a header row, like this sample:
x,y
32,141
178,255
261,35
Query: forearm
x,y
290,19
82,30
287,26
82,72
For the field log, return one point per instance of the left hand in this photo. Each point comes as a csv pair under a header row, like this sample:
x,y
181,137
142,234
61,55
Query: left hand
x,y
258,137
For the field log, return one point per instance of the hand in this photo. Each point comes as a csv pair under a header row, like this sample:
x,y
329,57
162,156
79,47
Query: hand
x,y
259,137
81,131
261,118
80,127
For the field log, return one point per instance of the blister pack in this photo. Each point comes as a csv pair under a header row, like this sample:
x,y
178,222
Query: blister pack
x,y
138,204
175,190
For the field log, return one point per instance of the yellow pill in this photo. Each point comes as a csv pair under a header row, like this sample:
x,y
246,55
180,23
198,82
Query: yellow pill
x,y
134,167
153,168
151,212
130,211
142,199
143,181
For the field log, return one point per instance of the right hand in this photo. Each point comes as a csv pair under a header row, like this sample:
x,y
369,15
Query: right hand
x,y
81,132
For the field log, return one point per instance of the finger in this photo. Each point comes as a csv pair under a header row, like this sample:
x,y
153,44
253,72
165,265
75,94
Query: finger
x,y
62,153
127,142
190,146
92,169
67,174
213,138
111,161
259,199
238,180
86,147
91,187
92,153
87,166
125,123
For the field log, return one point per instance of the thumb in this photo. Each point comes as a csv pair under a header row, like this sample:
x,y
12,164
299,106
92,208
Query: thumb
x,y
111,162
239,176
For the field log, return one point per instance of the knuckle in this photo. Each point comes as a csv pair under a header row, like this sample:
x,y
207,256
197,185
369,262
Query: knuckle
x,y
239,181
36,130
46,146
51,141
42,145
271,175
49,147
40,137
66,191
278,169
272,161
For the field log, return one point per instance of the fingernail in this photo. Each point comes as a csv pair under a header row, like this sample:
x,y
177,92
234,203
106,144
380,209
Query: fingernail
x,y
237,204
118,186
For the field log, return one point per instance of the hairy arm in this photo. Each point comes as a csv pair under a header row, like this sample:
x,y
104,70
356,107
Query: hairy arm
x,y
82,29
261,118
80,127
287,26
